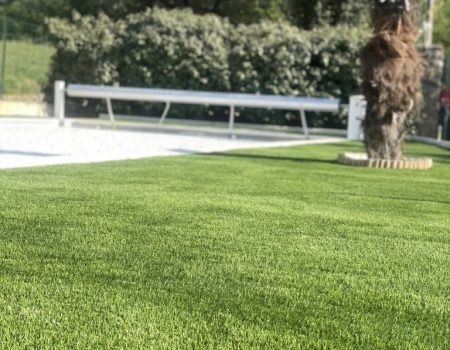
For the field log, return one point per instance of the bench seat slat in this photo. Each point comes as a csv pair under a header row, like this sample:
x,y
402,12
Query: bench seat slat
x,y
204,98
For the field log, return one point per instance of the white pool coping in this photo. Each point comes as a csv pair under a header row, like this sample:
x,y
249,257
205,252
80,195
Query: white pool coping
x,y
41,142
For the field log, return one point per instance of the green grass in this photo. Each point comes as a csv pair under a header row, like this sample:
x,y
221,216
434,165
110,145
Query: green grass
x,y
27,66
276,248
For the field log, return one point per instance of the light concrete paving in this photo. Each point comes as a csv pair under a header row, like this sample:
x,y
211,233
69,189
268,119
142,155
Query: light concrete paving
x,y
40,142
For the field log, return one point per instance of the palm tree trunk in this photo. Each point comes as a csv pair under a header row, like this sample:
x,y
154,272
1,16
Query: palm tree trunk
x,y
391,72
384,137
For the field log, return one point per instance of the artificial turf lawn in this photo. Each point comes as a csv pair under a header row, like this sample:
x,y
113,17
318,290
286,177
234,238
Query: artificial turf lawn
x,y
275,248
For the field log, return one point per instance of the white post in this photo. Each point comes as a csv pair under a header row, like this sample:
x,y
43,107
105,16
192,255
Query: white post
x,y
304,123
59,101
111,112
356,115
428,25
164,115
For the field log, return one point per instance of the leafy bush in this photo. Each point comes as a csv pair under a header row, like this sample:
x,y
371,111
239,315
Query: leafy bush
x,y
277,58
86,52
270,58
177,49
334,67
85,49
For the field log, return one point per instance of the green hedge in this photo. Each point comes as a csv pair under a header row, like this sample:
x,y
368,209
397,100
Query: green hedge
x,y
174,49
85,49
177,49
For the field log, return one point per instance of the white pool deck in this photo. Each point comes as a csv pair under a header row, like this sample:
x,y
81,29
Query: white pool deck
x,y
41,142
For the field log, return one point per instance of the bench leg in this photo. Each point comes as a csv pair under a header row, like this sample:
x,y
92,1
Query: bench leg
x,y
110,111
164,115
60,95
231,124
304,124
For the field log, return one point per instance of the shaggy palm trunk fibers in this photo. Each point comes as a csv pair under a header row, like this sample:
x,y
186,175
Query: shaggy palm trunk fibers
x,y
391,75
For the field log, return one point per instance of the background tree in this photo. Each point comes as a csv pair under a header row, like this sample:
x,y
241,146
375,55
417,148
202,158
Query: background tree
x,y
442,24
308,14
28,16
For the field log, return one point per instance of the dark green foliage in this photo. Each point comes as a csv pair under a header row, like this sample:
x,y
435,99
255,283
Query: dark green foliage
x,y
248,11
310,14
27,16
180,50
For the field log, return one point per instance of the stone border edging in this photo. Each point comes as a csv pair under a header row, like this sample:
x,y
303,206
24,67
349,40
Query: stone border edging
x,y
360,159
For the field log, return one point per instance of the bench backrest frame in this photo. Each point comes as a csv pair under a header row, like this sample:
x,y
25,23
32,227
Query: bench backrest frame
x,y
231,100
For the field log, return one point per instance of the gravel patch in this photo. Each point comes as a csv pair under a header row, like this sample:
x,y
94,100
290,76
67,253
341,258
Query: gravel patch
x,y
29,143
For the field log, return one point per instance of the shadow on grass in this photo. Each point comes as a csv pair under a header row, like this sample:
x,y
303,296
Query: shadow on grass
x,y
440,158
264,157
28,154
439,154
396,198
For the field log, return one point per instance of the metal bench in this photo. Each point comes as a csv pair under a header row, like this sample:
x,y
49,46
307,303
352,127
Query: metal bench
x,y
232,100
